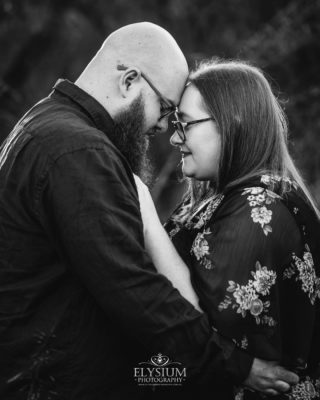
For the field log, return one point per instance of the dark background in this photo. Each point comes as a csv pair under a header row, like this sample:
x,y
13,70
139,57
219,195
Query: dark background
x,y
42,40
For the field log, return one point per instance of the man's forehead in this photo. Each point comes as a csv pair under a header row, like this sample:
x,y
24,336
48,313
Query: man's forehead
x,y
174,94
172,83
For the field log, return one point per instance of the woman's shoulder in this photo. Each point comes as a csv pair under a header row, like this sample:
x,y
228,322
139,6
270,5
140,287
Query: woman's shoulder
x,y
260,200
268,205
250,194
272,204
263,190
269,197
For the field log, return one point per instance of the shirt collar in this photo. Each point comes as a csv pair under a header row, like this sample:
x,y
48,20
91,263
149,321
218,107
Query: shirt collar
x,y
96,111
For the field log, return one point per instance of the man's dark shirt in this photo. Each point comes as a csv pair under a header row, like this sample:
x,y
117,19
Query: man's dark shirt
x,y
80,301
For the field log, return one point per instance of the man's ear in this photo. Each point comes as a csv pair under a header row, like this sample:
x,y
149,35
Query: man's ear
x,y
128,78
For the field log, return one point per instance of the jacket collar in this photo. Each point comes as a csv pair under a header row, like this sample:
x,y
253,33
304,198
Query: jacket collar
x,y
92,107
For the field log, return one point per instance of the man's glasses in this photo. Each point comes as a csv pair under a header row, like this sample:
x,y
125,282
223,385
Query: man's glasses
x,y
180,126
167,106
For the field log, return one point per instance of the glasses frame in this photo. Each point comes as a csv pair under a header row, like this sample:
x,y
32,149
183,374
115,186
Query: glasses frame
x,y
180,126
170,106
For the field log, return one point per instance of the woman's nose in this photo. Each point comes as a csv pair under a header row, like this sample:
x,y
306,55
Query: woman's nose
x,y
175,139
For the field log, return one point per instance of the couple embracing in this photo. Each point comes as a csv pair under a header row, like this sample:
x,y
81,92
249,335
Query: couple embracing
x,y
92,284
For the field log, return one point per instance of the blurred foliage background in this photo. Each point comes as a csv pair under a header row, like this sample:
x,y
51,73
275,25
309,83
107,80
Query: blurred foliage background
x,y
42,40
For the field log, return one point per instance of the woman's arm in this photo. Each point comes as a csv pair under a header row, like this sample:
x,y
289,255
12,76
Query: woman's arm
x,y
160,248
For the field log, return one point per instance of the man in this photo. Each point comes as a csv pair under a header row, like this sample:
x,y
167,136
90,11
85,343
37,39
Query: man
x,y
80,302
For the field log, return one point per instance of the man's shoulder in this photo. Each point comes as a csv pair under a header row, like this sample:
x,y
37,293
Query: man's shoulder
x,y
57,128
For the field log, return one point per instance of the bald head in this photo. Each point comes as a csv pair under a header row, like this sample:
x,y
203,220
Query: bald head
x,y
146,46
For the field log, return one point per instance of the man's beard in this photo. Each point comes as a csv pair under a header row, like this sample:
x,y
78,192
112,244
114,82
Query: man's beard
x,y
129,137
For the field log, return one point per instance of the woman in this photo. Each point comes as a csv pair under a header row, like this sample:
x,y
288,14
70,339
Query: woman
x,y
247,229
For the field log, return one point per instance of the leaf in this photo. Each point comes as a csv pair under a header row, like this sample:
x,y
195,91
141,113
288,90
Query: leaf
x,y
267,229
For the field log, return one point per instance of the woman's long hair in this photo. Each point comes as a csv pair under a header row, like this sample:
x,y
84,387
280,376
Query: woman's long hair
x,y
252,126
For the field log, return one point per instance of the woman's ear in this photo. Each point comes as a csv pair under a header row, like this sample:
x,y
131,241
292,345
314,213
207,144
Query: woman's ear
x,y
127,81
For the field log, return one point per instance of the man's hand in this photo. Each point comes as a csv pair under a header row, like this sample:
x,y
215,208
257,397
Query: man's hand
x,y
270,378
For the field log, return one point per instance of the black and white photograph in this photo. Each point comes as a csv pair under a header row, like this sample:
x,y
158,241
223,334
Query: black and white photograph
x,y
159,200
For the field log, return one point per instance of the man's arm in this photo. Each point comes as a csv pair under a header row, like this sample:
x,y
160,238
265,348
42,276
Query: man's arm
x,y
91,206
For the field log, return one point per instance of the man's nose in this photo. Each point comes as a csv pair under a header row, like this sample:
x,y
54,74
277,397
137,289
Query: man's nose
x,y
175,139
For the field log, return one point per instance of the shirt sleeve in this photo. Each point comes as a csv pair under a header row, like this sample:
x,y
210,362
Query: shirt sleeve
x,y
246,271
91,206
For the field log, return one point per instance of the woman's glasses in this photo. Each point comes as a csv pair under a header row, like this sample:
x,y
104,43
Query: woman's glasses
x,y
180,126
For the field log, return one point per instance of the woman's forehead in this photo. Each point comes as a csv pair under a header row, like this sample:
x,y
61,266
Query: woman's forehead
x,y
190,100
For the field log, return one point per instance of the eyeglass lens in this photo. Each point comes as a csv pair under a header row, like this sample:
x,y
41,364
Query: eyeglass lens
x,y
179,129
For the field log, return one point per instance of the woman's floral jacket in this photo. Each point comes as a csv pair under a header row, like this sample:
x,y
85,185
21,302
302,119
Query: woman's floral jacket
x,y
254,258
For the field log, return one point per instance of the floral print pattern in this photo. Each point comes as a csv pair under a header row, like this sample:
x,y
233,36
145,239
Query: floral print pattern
x,y
258,199
306,389
200,249
174,231
246,298
304,271
205,216
263,279
263,216
273,179
197,220
200,246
